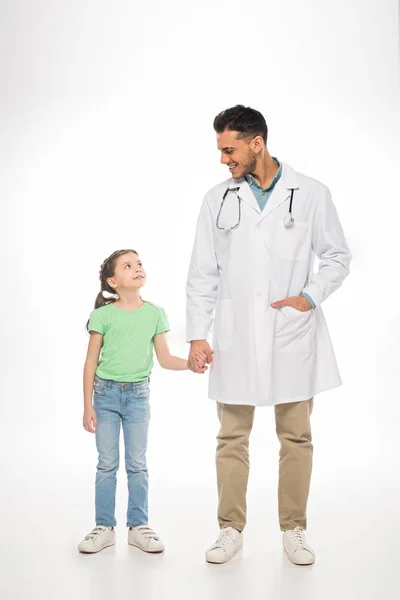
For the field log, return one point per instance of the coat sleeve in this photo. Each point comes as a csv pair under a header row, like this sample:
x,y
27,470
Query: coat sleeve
x,y
203,279
330,246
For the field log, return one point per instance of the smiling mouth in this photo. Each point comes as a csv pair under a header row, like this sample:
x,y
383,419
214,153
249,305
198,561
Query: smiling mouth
x,y
139,277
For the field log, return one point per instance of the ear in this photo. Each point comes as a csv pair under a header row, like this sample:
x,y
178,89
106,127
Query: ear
x,y
112,283
257,144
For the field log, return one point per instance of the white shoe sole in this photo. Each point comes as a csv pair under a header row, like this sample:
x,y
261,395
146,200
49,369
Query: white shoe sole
x,y
300,564
222,562
145,549
96,551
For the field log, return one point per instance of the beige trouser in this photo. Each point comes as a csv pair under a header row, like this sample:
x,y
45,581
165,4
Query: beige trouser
x,y
295,462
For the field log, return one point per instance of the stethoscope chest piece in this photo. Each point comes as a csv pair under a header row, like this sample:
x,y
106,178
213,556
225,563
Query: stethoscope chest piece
x,y
288,221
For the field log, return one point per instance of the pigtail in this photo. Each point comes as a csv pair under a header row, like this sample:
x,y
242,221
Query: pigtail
x,y
101,300
107,270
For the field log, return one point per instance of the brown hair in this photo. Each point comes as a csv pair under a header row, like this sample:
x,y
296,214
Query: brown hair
x,y
107,270
245,120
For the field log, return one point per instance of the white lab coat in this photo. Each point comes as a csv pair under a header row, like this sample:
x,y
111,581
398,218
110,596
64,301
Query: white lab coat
x,y
264,356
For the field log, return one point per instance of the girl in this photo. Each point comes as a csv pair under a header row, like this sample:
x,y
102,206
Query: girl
x,y
123,330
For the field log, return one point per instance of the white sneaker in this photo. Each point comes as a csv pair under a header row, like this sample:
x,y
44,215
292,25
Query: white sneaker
x,y
145,538
98,539
297,549
228,543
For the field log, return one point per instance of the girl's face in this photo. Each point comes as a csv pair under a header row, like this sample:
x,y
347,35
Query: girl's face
x,y
129,273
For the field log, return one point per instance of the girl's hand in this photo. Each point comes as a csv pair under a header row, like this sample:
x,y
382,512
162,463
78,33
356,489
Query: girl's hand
x,y
201,356
203,348
201,361
90,420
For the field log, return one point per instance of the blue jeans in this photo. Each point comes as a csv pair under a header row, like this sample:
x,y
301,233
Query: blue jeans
x,y
116,402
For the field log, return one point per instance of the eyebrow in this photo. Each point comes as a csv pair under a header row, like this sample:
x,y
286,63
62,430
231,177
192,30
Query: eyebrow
x,y
128,262
227,148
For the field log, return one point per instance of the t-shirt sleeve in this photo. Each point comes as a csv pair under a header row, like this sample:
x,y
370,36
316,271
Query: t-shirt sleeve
x,y
96,321
162,323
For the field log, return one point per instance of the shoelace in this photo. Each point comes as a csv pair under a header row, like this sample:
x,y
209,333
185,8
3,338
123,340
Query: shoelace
x,y
224,538
95,532
147,532
297,539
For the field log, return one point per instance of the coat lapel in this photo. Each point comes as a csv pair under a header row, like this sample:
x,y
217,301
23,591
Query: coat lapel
x,y
245,193
281,192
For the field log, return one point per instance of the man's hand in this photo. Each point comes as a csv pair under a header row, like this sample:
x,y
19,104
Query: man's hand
x,y
297,302
90,420
199,356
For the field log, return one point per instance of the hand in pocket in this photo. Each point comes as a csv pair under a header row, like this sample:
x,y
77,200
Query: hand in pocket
x,y
299,303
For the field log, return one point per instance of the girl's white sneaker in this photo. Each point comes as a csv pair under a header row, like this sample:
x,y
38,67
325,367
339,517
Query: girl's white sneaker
x,y
296,547
145,538
98,539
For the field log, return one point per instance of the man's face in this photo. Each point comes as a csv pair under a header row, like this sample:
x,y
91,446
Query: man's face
x,y
237,154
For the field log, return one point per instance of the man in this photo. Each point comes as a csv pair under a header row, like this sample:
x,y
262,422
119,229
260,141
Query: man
x,y
252,265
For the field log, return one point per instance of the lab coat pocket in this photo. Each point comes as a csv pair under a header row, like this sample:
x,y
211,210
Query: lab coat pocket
x,y
293,243
223,325
295,327
295,343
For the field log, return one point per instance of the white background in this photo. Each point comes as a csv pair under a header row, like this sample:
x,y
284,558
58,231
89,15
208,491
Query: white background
x,y
106,143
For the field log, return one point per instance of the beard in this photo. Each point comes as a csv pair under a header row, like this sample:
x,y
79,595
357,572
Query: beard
x,y
250,165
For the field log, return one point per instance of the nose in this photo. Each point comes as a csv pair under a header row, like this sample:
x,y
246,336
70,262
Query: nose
x,y
224,159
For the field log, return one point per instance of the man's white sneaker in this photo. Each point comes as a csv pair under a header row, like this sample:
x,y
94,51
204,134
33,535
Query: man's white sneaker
x,y
297,549
228,543
145,538
98,539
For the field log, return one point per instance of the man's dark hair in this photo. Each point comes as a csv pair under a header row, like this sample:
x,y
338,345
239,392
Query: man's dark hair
x,y
245,120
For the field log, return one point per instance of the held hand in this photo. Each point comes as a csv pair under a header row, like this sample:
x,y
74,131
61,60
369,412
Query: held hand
x,y
201,357
90,420
297,302
201,360
200,354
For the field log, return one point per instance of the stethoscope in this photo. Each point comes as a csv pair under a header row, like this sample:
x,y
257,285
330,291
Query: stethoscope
x,y
288,220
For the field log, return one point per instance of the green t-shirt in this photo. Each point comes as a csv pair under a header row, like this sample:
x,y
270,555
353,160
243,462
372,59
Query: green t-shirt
x,y
127,351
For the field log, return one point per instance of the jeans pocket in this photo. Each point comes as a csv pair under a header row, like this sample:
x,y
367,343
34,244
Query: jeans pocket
x,y
141,390
99,386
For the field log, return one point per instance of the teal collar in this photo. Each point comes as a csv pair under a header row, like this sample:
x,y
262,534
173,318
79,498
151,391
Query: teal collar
x,y
253,183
